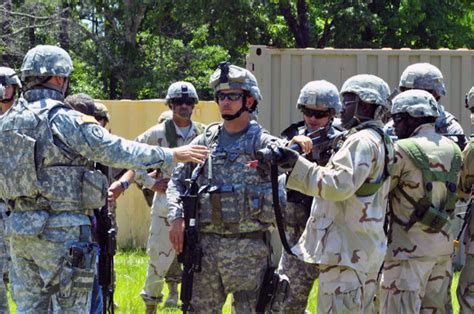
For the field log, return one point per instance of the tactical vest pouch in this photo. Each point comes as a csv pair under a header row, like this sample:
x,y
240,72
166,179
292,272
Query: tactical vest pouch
x,y
434,218
222,204
62,187
260,203
19,176
94,189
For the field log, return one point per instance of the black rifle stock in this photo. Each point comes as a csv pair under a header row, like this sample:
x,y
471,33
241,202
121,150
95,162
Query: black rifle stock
x,y
107,240
192,252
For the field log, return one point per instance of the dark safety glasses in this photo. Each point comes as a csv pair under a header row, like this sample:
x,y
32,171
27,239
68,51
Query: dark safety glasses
x,y
182,101
315,113
231,96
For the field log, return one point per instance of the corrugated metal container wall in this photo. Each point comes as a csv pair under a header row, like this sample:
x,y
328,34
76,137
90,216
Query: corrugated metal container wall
x,y
129,119
281,73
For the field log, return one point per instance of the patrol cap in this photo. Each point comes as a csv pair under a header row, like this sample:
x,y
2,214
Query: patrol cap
x,y
229,76
423,76
101,111
8,77
181,89
46,60
470,99
369,88
417,103
319,93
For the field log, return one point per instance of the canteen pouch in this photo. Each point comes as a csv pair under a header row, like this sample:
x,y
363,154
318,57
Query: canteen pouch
x,y
434,218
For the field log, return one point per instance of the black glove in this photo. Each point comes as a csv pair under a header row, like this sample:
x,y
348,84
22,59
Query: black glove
x,y
284,157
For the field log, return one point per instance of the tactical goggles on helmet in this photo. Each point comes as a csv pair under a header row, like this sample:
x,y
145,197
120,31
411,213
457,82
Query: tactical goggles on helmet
x,y
318,114
231,96
183,101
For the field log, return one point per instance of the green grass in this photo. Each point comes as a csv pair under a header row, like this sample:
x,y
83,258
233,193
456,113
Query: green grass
x,y
131,269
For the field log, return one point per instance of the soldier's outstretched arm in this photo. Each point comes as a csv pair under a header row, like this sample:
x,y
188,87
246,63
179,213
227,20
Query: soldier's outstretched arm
x,y
79,134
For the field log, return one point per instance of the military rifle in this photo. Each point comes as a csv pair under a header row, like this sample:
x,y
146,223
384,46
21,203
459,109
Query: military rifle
x,y
192,251
107,240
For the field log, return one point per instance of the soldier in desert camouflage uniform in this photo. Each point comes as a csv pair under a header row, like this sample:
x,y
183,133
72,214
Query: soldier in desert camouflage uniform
x,y
417,270
319,102
344,233
465,290
45,148
235,208
177,131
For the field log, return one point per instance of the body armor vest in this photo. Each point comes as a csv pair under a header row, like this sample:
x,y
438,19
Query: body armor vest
x,y
39,172
233,197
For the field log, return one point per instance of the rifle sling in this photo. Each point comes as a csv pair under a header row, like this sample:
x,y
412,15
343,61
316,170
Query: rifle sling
x,y
277,209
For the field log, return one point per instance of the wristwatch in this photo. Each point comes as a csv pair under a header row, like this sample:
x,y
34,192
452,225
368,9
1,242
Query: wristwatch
x,y
124,184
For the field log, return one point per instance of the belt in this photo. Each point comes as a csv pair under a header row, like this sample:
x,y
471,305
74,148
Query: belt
x,y
257,235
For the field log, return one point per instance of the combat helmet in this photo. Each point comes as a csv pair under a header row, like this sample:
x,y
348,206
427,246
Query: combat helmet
x,y
181,89
469,100
319,93
417,103
45,61
423,76
229,76
8,77
369,88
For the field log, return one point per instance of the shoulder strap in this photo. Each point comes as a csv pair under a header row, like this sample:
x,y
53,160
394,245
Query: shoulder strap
x,y
199,127
170,133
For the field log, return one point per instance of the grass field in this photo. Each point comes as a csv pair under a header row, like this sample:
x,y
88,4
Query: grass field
x,y
131,268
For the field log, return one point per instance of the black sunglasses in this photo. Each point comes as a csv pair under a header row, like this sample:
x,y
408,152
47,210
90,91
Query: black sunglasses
x,y
182,101
230,96
315,113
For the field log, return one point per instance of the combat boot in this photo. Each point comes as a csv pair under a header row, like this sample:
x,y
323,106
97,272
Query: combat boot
x,y
172,299
150,309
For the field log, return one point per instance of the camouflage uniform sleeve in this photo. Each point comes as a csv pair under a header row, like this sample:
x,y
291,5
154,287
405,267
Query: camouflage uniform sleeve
x,y
79,134
344,174
397,167
466,178
177,186
141,176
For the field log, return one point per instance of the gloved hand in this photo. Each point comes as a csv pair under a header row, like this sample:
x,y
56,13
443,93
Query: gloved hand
x,y
284,157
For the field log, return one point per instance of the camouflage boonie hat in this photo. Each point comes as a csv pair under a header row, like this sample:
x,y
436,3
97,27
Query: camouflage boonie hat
x,y
423,76
101,111
45,60
417,103
236,77
370,89
8,77
319,93
470,98
181,90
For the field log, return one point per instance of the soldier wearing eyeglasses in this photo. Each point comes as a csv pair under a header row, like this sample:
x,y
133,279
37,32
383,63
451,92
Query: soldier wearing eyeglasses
x,y
177,131
235,207
319,103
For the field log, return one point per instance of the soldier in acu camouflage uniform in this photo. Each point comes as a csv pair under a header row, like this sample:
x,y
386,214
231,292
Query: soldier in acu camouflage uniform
x,y
465,290
417,271
10,85
177,131
235,207
44,151
344,233
319,102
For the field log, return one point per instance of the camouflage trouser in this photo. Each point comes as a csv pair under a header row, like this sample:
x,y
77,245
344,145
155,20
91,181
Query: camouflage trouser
x,y
345,290
465,290
229,265
302,277
39,271
4,265
163,264
416,285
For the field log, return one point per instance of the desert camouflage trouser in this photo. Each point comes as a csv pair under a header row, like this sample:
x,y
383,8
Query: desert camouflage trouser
x,y
465,290
302,277
345,290
229,265
163,264
417,285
